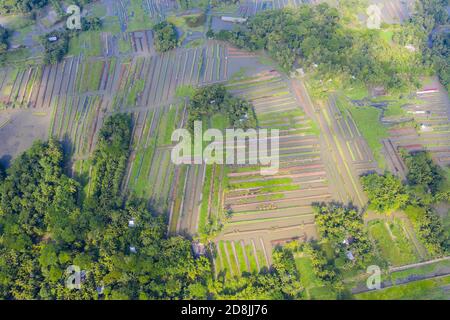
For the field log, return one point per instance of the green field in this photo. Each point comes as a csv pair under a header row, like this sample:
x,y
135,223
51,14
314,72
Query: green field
x,y
392,242
432,268
372,130
315,289
433,289
87,43
139,18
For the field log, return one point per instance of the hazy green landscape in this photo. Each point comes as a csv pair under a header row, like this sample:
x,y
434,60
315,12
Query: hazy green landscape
x,y
93,205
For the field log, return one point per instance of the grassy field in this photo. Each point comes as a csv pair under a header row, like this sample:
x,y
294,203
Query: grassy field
x,y
393,242
87,43
315,289
139,18
181,22
394,111
111,24
372,130
433,289
440,266
356,92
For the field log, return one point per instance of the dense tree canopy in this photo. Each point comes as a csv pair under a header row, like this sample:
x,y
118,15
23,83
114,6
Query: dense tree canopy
x,y
44,231
343,227
321,266
429,229
315,37
55,50
386,193
165,36
429,24
282,282
215,98
422,171
47,227
20,6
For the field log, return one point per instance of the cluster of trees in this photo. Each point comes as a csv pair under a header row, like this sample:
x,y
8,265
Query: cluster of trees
x,y
91,24
4,35
54,51
428,226
195,20
45,230
281,282
343,227
426,185
110,160
20,6
387,193
316,37
165,36
49,232
423,172
431,232
322,268
428,27
213,99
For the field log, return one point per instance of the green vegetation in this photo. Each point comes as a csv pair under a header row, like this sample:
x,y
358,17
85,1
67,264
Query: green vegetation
x,y
316,38
20,6
386,193
422,171
422,289
166,37
309,269
271,185
392,241
110,160
189,4
342,227
436,267
372,130
4,35
91,24
367,120
215,98
48,231
57,6
428,23
55,50
429,230
195,21
185,91
87,42
124,45
281,282
139,17
61,42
